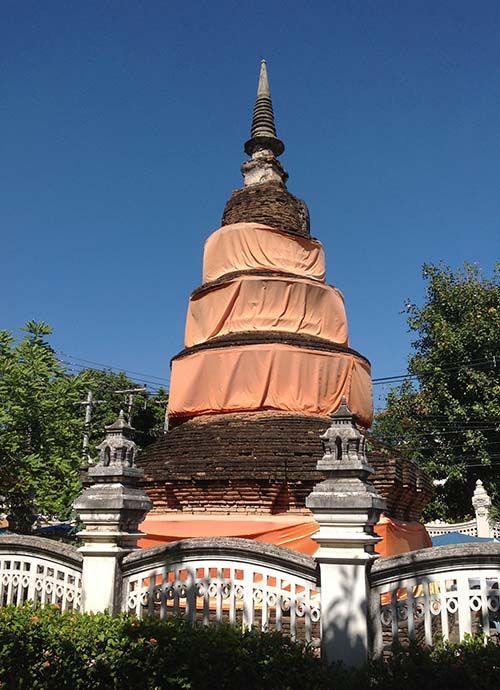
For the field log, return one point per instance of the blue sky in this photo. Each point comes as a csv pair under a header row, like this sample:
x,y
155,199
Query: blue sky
x,y
122,127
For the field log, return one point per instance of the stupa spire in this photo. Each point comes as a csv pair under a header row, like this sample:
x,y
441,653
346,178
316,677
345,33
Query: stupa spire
x,y
263,130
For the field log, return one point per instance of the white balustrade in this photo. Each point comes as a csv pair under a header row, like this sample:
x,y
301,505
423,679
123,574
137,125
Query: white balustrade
x,y
445,591
237,581
495,529
437,527
40,571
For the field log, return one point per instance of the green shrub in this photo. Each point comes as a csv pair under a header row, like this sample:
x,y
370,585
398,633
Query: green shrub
x,y
43,649
473,664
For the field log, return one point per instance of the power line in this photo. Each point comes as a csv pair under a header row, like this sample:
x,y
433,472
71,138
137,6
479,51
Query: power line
x,y
455,431
108,366
78,368
383,380
474,364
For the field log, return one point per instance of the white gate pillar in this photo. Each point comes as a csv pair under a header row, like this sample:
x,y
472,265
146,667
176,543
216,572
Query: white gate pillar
x,y
346,506
482,504
111,509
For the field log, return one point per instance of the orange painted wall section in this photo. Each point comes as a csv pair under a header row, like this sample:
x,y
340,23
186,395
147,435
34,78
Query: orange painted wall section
x,y
254,303
269,376
252,246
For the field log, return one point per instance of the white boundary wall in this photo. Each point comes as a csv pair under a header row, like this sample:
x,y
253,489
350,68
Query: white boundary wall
x,y
39,570
448,591
226,580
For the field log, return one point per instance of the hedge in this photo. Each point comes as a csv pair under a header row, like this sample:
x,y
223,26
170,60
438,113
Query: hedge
x,y
41,648
44,649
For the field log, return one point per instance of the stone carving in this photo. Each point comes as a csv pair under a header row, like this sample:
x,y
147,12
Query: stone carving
x,y
344,460
346,506
480,500
118,448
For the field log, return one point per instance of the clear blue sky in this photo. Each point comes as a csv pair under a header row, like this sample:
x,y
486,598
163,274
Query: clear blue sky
x,y
122,125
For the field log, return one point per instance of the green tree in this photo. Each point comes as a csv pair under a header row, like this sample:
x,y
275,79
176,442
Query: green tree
x,y
42,425
39,428
448,416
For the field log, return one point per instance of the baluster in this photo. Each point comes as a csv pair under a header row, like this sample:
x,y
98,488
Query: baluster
x,y
175,589
31,584
307,615
427,613
264,606
206,599
485,617
394,614
191,585
218,600
151,594
411,607
232,596
279,603
444,608
248,603
293,611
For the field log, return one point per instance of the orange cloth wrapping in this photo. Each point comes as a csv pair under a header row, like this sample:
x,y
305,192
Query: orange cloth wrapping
x,y
293,532
400,537
247,246
269,376
253,303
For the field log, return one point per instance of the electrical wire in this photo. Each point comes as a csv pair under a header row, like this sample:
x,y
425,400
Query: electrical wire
x,y
160,379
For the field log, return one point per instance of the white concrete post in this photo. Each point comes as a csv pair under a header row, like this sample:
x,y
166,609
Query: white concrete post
x,y
482,503
346,506
111,509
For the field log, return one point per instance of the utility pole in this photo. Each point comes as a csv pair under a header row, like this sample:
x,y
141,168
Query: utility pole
x,y
130,392
89,405
164,404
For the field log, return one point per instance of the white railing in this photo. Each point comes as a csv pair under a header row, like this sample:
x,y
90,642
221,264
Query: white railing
x,y
480,526
438,527
41,571
445,591
235,580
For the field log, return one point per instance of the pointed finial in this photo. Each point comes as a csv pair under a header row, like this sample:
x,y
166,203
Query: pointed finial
x,y
120,426
263,88
263,130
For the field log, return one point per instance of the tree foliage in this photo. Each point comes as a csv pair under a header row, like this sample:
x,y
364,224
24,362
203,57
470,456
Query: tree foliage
x,y
42,425
448,415
40,432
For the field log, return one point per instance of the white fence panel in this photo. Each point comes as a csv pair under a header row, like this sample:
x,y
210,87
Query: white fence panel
x,y
41,571
235,580
443,591
437,528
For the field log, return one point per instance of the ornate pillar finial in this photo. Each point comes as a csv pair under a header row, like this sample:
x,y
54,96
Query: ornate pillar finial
x,y
482,503
111,509
346,506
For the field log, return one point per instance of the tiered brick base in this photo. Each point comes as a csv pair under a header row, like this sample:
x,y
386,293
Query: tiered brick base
x,y
261,463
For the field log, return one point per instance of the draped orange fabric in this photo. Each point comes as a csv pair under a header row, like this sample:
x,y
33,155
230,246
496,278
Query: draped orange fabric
x,y
269,376
400,537
247,246
254,303
293,532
